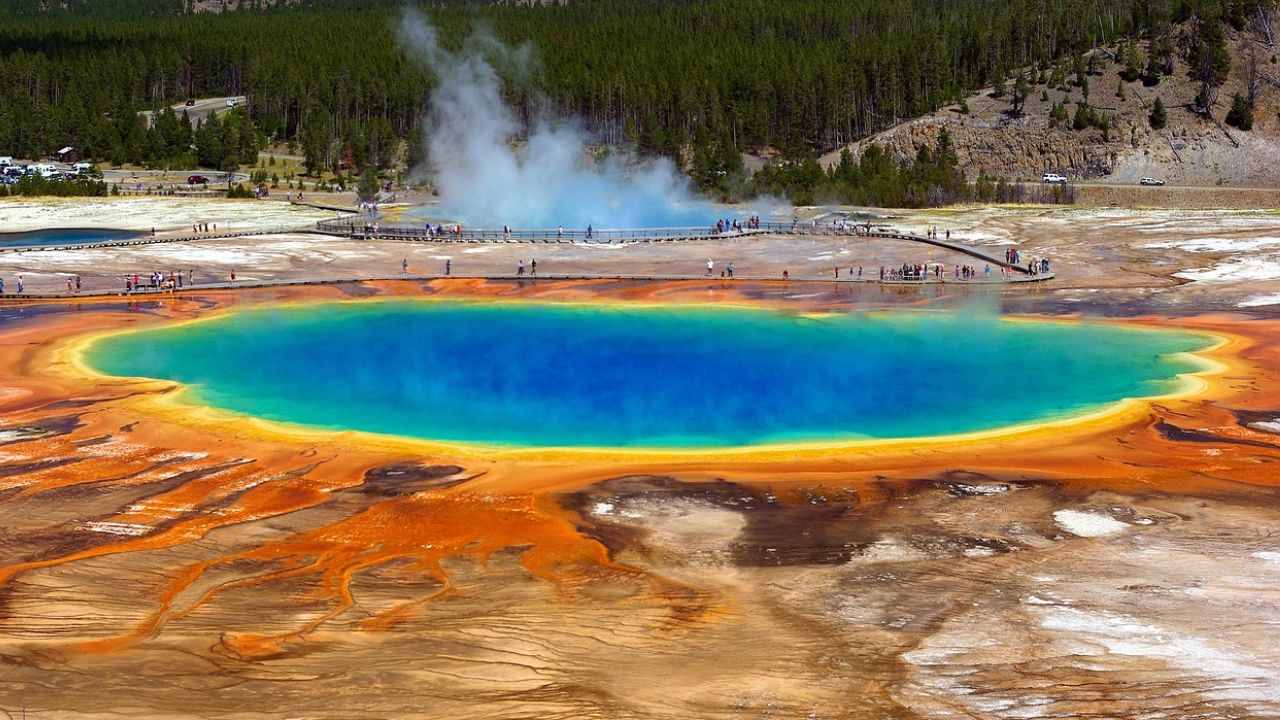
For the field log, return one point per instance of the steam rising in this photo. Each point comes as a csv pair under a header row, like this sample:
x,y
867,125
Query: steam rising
x,y
483,179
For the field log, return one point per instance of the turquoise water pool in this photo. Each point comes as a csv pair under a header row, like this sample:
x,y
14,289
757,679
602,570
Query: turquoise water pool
x,y
536,374
65,236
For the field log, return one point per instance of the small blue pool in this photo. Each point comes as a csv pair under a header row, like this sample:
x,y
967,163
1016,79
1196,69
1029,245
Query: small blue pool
x,y
66,236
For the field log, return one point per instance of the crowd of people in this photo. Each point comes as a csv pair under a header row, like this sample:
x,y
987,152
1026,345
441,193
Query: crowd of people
x,y
733,225
159,281
442,230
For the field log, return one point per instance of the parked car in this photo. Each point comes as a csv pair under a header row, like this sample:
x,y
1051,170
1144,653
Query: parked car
x,y
1150,181
1053,178
197,180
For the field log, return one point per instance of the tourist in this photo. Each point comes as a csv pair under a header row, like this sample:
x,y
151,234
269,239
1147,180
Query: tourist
x,y
21,285
520,268
70,283
448,266
730,270
233,274
786,275
559,232
404,266
191,277
533,267
588,232
128,284
711,266
1,286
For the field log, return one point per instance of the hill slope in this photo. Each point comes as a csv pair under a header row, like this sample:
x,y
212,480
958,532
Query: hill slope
x,y
1191,149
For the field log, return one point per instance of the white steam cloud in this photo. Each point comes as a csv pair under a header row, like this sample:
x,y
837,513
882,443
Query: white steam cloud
x,y
483,179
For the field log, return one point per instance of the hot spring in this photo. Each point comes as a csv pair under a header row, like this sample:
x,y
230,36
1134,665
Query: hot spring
x,y
66,236
540,374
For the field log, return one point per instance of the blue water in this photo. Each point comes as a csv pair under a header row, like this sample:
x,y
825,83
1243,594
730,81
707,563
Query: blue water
x,y
534,374
65,236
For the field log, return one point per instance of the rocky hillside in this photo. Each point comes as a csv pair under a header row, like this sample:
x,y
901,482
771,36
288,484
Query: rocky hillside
x,y
1192,149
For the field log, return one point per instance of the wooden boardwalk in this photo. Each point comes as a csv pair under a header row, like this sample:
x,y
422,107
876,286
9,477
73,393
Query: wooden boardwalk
x,y
350,228
353,229
512,277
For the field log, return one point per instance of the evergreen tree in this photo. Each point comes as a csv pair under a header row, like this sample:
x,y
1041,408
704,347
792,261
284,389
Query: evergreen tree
x,y
1241,113
1020,90
367,191
1158,116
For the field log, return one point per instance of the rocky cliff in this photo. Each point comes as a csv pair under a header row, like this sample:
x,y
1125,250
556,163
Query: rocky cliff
x,y
1192,149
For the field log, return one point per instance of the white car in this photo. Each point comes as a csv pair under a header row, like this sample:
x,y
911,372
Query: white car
x,y
232,102
1053,178
1150,181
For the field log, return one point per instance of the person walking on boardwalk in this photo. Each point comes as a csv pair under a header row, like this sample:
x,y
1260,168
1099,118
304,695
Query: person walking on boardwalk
x,y
448,266
21,285
233,274
404,266
77,283
731,270
533,267
588,232
711,266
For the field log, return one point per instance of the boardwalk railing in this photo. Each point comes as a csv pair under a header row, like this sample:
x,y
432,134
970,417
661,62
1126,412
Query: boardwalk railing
x,y
364,227
149,240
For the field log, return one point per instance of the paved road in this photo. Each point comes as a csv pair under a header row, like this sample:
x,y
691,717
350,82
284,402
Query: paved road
x,y
150,178
203,108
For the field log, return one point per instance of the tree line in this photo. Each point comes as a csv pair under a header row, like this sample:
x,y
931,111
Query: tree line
x,y
696,81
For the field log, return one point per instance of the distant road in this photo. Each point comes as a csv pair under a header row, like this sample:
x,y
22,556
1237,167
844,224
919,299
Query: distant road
x,y
1167,185
203,108
172,177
